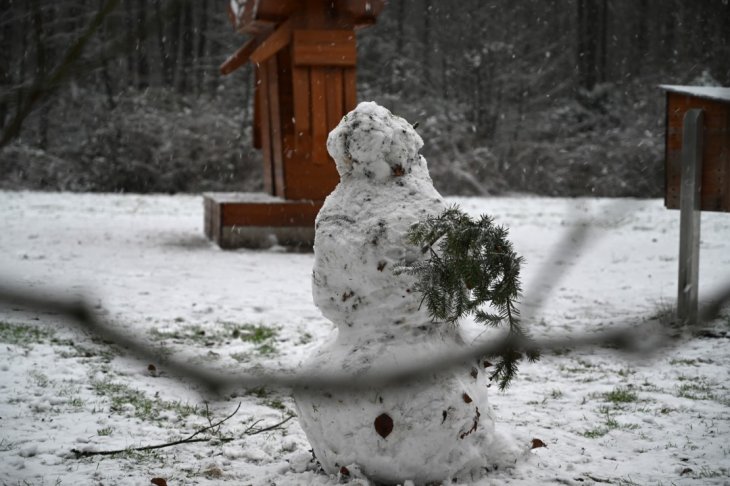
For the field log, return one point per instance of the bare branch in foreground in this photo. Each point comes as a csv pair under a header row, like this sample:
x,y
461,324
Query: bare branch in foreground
x,y
626,338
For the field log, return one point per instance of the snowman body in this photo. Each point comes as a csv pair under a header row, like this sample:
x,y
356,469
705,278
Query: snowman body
x,y
427,430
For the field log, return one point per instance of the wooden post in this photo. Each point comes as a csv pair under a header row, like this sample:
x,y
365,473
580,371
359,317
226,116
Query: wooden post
x,y
689,227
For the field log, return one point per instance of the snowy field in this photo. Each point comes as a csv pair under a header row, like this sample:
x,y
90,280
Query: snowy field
x,y
144,260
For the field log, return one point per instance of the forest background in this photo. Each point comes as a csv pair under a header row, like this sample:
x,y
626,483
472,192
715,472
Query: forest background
x,y
553,97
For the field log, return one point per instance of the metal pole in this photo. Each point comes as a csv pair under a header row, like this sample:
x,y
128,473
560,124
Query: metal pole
x,y
689,225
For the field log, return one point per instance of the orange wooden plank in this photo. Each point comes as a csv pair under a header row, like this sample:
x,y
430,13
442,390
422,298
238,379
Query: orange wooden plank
x,y
335,97
275,120
265,116
349,83
315,13
269,214
300,79
272,44
715,185
286,110
286,92
324,48
238,58
319,116
313,181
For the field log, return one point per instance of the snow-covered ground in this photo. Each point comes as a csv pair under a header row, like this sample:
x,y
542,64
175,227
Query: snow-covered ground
x,y
604,418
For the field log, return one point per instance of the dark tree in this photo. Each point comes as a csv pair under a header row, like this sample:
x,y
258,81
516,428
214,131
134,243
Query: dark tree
x,y
202,70
143,68
187,52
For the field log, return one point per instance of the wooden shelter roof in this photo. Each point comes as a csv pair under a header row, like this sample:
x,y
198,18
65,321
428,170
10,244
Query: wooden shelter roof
x,y
270,25
261,16
707,92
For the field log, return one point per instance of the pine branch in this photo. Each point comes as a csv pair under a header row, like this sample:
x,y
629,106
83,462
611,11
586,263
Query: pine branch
x,y
472,265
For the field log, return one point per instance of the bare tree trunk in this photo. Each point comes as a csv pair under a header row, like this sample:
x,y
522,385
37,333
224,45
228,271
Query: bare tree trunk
x,y
401,17
603,44
143,68
641,46
588,33
426,60
668,40
23,68
162,43
201,58
445,91
40,49
186,56
723,68
7,40
106,79
174,44
250,79
130,43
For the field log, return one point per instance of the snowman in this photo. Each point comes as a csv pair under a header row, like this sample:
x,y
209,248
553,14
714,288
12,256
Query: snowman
x,y
429,430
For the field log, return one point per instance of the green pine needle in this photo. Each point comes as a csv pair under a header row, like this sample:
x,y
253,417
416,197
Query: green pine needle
x,y
471,264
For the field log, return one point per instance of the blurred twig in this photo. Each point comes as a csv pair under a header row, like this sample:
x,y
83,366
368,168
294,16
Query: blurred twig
x,y
626,338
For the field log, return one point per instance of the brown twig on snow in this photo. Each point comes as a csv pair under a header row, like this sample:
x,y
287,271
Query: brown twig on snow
x,y
191,438
251,431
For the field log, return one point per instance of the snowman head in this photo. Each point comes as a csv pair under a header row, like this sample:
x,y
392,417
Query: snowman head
x,y
370,142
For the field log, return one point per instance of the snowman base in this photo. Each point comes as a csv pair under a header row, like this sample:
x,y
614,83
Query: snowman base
x,y
429,430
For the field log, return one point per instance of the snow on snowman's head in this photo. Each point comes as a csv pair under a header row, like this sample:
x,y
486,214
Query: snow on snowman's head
x,y
371,142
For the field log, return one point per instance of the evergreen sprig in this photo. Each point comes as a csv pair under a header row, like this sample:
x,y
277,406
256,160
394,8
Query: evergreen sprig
x,y
471,265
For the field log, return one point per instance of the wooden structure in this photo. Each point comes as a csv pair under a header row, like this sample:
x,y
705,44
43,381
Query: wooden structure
x,y
697,175
715,105
304,54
